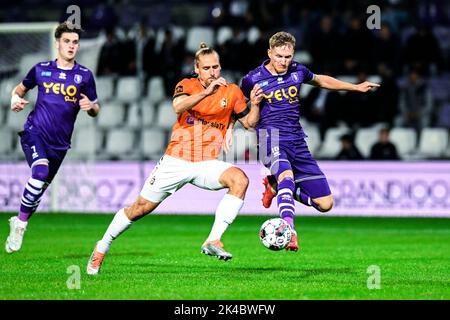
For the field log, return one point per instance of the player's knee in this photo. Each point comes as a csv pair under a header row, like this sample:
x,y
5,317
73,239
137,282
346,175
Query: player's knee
x,y
140,208
40,172
241,182
285,174
325,204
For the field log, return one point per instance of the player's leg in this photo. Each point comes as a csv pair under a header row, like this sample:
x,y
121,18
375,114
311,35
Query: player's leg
x,y
312,187
36,156
156,188
216,175
323,199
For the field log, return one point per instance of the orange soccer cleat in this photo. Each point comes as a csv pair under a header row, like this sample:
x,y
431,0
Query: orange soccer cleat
x,y
293,245
269,191
95,262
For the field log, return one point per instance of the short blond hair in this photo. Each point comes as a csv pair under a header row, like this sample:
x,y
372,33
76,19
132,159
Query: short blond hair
x,y
203,51
280,39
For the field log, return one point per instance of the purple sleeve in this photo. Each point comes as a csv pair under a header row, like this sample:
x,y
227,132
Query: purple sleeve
x,y
246,86
30,79
307,74
89,89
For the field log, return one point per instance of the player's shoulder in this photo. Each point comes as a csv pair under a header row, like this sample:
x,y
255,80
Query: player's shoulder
x,y
81,68
296,66
254,75
44,65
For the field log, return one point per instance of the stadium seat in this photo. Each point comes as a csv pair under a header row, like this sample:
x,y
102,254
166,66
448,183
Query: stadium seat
x,y
433,142
405,139
195,35
27,61
313,139
332,142
6,138
86,142
166,116
6,87
364,140
153,143
15,120
111,116
136,118
105,88
155,89
223,34
85,120
3,111
303,57
253,34
120,143
128,89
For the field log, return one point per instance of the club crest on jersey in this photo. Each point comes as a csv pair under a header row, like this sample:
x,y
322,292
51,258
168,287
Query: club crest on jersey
x,y
223,103
62,75
77,78
294,76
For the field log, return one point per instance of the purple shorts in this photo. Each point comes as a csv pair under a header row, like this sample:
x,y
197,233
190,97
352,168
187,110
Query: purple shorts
x,y
35,149
295,156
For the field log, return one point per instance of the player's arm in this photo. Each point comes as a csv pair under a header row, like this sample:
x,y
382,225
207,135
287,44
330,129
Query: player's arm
x,y
330,83
252,118
228,139
186,102
18,103
87,105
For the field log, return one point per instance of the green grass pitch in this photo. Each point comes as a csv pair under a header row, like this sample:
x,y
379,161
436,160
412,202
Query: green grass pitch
x,y
159,258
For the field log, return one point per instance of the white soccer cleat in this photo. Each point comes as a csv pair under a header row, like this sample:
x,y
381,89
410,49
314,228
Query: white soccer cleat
x,y
215,248
17,229
95,262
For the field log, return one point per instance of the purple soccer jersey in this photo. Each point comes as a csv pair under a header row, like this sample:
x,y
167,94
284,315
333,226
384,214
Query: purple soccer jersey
x,y
57,104
281,139
281,104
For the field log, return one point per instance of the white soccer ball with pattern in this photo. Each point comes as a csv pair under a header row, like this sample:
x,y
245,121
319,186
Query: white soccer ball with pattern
x,y
275,234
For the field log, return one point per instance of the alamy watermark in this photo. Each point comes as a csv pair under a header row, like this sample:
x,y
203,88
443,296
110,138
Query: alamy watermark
x,y
74,20
374,279
374,20
74,280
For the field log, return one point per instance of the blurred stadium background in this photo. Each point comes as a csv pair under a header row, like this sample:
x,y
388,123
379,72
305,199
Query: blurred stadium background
x,y
140,49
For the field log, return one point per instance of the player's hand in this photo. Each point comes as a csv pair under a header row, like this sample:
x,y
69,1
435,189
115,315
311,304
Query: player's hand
x,y
256,95
212,88
85,103
227,140
365,86
18,103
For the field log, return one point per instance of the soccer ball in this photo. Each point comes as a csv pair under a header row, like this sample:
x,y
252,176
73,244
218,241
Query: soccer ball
x,y
275,234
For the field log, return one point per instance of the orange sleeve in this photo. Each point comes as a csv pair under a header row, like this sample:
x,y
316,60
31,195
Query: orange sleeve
x,y
240,106
184,87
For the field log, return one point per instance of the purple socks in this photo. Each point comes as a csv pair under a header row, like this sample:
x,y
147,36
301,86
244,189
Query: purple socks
x,y
285,200
32,194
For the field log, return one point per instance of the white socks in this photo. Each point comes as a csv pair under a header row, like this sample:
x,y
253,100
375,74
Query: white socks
x,y
119,224
226,212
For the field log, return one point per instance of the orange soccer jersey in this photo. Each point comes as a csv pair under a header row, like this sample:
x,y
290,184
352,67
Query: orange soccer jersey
x,y
198,133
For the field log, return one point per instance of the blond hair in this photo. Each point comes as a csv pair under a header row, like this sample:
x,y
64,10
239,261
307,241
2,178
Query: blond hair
x,y
204,50
280,39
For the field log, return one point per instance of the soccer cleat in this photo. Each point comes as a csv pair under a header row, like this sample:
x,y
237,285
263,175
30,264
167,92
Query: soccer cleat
x,y
95,262
17,229
215,248
269,191
293,245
